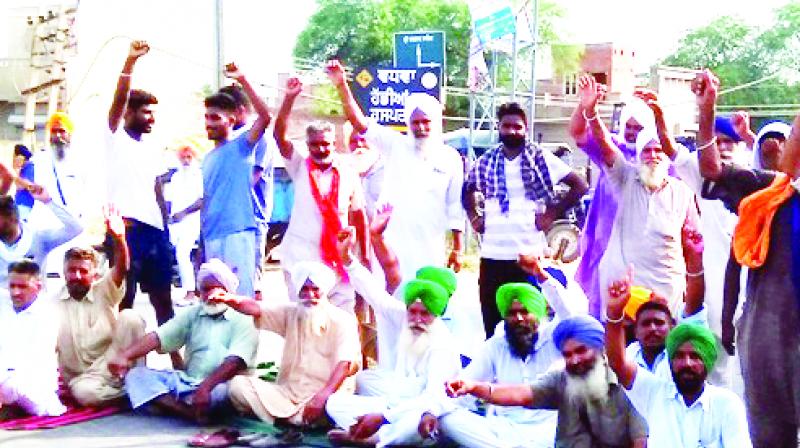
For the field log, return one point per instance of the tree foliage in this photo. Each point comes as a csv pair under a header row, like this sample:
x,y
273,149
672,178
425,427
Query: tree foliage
x,y
740,53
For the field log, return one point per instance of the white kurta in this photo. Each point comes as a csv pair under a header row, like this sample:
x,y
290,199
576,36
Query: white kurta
x,y
28,363
425,193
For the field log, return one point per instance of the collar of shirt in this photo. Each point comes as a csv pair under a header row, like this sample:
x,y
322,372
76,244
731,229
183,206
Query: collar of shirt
x,y
643,363
704,400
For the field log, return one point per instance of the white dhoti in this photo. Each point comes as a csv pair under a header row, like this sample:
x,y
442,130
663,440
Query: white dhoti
x,y
474,431
28,392
344,410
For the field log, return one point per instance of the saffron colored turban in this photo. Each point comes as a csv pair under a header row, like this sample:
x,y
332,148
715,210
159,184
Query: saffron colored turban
x,y
583,328
63,119
433,295
639,296
528,295
701,339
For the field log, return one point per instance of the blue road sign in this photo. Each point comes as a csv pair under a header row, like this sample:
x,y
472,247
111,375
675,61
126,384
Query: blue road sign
x,y
495,25
382,91
419,49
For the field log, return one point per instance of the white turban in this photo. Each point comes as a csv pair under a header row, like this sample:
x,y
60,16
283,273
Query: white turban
x,y
428,105
320,275
639,111
645,137
774,127
219,271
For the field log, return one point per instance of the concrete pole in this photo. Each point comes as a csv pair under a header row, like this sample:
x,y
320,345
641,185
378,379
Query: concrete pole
x,y
535,37
218,45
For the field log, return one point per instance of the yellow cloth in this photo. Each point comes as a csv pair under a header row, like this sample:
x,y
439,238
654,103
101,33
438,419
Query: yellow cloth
x,y
752,235
307,363
639,296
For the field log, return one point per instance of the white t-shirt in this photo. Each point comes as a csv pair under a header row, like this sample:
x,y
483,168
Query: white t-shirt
x,y
513,233
132,169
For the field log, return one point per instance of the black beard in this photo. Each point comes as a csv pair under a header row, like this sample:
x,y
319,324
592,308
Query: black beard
x,y
690,385
512,141
521,344
77,291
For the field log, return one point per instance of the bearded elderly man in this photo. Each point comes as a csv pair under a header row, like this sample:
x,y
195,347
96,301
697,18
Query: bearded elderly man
x,y
592,407
321,350
525,353
683,411
92,330
218,344
422,181
406,413
653,210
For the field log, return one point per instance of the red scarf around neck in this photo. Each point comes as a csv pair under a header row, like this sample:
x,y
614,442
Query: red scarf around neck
x,y
328,206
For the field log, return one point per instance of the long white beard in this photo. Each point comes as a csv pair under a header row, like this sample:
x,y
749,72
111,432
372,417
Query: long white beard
x,y
314,318
214,309
412,350
423,144
591,388
653,176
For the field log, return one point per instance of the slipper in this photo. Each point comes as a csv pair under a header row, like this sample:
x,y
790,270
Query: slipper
x,y
220,439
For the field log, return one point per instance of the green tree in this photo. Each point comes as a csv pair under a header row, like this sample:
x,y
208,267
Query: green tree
x,y
740,54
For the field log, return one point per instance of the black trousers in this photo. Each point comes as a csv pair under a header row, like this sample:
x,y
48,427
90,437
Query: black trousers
x,y
494,274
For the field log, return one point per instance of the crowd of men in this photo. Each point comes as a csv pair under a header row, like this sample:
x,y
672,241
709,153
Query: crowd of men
x,y
644,356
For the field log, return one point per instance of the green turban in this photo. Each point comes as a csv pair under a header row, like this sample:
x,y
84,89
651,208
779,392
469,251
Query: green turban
x,y
445,277
430,293
528,295
701,338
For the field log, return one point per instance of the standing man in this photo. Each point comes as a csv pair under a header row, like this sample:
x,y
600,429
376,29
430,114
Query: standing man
x,y
327,194
766,241
134,163
92,331
423,179
516,180
653,209
228,221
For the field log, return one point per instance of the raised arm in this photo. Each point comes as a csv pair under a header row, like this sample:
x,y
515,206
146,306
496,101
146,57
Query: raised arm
x,y
497,394
578,126
244,305
138,49
651,99
264,117
293,89
695,278
590,92
705,87
790,162
385,255
364,283
115,227
352,111
619,292
741,124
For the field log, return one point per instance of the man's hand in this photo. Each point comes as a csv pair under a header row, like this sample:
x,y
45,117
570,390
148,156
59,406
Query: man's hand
x,y
454,260
314,409
177,217
741,124
618,295
366,425
428,427
459,388
219,295
336,72
345,241
233,72
293,87
692,240
39,193
119,366
138,49
201,403
590,92
531,264
544,221
728,337
380,221
114,223
650,97
705,88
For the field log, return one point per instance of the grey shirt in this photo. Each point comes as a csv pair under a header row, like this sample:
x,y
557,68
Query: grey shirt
x,y
580,425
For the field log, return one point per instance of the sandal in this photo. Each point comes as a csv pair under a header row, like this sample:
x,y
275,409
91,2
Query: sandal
x,y
220,439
